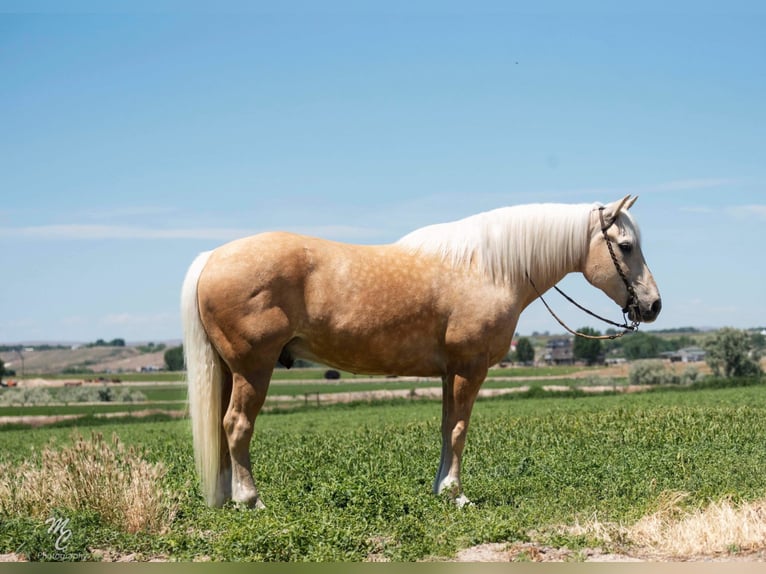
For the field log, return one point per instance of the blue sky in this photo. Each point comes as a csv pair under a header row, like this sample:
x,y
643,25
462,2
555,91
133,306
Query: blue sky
x,y
129,142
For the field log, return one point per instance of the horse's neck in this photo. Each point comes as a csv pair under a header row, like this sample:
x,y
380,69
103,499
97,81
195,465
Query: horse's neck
x,y
559,248
510,245
552,244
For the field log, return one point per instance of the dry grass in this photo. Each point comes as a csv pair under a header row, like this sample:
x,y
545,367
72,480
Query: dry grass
x,y
676,533
720,528
95,475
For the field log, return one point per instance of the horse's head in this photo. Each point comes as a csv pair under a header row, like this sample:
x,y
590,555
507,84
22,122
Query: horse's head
x,y
616,265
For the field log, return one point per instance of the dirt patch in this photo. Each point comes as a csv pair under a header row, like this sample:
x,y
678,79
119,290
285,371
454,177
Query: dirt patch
x,y
44,420
531,552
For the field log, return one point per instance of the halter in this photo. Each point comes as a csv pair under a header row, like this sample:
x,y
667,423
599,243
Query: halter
x,y
631,305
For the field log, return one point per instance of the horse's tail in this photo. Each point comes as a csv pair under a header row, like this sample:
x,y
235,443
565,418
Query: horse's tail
x,y
204,374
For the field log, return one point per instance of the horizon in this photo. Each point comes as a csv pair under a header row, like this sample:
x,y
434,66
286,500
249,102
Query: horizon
x,y
561,334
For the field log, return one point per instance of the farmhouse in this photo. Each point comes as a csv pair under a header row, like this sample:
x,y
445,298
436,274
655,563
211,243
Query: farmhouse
x,y
559,351
685,355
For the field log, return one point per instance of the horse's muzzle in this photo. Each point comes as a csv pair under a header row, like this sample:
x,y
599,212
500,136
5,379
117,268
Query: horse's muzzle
x,y
644,314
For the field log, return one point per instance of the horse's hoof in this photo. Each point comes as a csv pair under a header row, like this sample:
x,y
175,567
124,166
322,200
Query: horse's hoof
x,y
243,506
249,504
462,501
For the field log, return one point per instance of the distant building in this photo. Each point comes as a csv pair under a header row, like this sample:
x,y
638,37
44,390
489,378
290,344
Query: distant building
x,y
685,355
559,351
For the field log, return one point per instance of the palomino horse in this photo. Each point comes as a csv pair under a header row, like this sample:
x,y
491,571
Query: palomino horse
x,y
442,301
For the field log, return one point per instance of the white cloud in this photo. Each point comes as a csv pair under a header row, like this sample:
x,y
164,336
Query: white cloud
x,y
757,211
402,216
131,211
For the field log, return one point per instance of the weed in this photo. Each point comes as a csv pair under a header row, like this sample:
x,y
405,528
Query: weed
x,y
107,478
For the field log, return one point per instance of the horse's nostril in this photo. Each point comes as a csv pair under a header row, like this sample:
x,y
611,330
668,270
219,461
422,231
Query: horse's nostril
x,y
656,307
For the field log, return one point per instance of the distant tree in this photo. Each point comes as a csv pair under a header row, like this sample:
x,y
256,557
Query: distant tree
x,y
758,340
588,350
117,343
731,353
525,352
644,346
679,342
174,359
2,369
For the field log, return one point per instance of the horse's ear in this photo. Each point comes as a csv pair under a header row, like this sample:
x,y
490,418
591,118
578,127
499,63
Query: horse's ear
x,y
631,202
612,210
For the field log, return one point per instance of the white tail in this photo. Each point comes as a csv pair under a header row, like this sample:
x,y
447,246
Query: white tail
x,y
204,375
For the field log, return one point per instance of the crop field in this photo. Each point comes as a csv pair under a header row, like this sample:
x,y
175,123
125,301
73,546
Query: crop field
x,y
353,482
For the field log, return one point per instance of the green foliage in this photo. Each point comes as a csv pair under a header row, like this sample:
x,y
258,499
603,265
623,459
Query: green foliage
x,y
103,343
354,483
649,372
174,358
2,369
25,396
151,347
42,396
732,353
655,372
642,345
588,350
525,352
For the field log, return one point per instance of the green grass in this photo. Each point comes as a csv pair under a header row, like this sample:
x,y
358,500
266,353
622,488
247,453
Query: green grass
x,y
344,482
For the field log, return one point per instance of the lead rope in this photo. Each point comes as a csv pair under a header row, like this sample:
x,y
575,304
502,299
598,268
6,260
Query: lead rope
x,y
625,327
632,299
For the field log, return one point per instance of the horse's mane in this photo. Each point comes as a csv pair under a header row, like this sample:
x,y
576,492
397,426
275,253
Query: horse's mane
x,y
510,242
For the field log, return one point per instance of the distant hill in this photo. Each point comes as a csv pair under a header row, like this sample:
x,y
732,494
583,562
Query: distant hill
x,y
97,359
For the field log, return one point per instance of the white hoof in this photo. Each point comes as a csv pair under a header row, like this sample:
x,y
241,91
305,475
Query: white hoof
x,y
450,488
257,504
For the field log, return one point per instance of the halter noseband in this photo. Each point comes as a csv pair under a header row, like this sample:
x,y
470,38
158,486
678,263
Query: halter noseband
x,y
630,305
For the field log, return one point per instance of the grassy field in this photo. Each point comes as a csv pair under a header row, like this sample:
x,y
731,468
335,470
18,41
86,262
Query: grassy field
x,y
353,482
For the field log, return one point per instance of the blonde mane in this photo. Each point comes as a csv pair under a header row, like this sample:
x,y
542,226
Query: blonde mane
x,y
509,243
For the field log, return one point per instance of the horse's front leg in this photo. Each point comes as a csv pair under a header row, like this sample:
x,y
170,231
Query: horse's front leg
x,y
458,395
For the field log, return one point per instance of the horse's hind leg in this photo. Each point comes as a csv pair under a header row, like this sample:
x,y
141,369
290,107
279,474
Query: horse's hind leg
x,y
247,396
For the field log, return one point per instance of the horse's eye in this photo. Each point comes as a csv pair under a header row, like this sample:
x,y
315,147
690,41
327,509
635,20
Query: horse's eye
x,y
626,247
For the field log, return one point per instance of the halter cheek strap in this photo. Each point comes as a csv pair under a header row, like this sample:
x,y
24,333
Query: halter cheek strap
x,y
632,303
